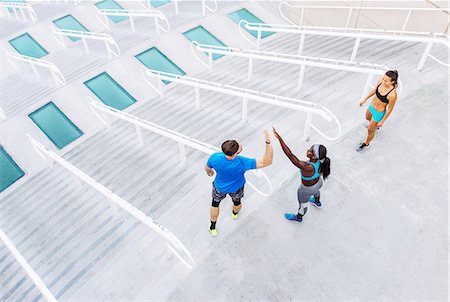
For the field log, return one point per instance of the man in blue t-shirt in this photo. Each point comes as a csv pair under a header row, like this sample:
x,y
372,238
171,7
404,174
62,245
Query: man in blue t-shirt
x,y
230,168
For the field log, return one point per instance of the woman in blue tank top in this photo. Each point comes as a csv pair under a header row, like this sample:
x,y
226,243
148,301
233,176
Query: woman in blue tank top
x,y
310,172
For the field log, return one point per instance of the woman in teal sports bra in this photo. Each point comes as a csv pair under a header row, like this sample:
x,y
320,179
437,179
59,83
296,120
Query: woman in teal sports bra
x,y
385,97
310,173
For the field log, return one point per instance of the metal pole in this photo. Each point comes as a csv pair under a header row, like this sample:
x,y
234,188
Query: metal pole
x,y
307,127
258,39
133,28
366,86
85,45
348,18
158,31
355,49
406,20
301,76
302,42
250,67
176,7
210,59
23,15
301,16
38,76
139,136
244,109
424,56
161,87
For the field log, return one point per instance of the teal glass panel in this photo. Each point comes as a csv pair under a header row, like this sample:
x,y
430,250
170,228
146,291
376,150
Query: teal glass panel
x,y
111,4
10,172
55,125
158,3
202,36
26,45
70,23
110,92
154,59
244,14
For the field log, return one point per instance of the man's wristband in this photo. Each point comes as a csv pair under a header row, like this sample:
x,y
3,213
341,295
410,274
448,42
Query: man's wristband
x,y
267,142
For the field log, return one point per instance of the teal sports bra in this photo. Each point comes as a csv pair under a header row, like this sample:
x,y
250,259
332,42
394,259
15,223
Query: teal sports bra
x,y
316,171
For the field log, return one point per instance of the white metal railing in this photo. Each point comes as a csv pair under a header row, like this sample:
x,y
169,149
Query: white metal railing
x,y
147,5
112,48
353,8
358,34
56,73
303,61
205,7
156,14
27,268
174,244
183,140
248,94
14,8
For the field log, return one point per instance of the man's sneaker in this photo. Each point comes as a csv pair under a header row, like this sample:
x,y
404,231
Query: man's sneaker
x,y
362,147
314,202
234,216
213,232
290,216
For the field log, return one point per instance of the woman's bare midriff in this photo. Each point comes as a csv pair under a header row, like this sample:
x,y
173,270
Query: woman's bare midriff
x,y
378,105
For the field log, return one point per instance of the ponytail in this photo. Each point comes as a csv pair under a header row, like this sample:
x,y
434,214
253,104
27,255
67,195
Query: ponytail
x,y
325,162
393,75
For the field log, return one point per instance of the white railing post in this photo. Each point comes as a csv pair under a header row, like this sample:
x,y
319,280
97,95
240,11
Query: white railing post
x,y
158,31
355,49
301,76
424,56
176,6
86,48
244,109
161,88
203,8
302,43
250,68
301,16
133,28
139,136
258,39
367,86
406,20
108,50
36,73
307,130
182,153
210,60
27,268
348,18
197,97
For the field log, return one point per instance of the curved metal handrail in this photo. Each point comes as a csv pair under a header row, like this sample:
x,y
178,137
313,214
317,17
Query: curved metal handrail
x,y
179,137
47,64
352,32
89,35
173,241
163,18
241,25
195,44
282,101
212,10
305,59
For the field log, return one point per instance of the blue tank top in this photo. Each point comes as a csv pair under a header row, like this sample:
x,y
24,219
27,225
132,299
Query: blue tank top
x,y
316,166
